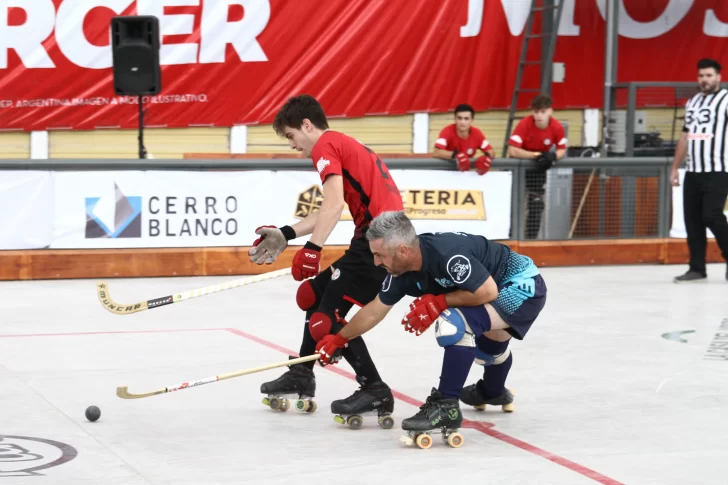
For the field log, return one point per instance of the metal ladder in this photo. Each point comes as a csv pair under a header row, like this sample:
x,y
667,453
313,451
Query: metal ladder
x,y
546,7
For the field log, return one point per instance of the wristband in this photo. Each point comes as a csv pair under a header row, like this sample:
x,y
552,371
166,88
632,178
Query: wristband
x,y
310,245
288,232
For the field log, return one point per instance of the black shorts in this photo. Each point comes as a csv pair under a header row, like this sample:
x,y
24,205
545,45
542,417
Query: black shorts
x,y
351,280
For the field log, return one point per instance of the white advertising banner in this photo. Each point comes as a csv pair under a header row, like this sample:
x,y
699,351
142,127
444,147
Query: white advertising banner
x,y
204,209
26,209
678,220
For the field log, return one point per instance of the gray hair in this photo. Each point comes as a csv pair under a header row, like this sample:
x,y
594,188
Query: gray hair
x,y
394,227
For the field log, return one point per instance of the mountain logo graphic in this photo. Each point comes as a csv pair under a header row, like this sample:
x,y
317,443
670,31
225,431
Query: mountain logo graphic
x,y
113,216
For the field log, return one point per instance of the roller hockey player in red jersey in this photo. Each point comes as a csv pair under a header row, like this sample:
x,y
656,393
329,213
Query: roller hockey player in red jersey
x,y
352,175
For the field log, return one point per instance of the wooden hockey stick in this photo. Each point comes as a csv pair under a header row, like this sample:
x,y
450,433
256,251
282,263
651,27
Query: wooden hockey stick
x,y
581,203
123,391
102,290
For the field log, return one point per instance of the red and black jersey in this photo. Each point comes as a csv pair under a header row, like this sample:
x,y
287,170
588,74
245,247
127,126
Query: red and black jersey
x,y
534,139
450,140
369,188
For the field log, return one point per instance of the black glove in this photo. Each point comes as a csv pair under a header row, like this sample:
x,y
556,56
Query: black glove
x,y
545,161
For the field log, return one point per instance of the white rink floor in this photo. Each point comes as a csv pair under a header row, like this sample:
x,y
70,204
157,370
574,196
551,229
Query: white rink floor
x,y
602,396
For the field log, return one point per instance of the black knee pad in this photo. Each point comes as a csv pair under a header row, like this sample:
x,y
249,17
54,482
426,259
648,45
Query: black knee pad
x,y
489,352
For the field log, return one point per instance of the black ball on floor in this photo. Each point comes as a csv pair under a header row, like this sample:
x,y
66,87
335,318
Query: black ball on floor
x,y
93,413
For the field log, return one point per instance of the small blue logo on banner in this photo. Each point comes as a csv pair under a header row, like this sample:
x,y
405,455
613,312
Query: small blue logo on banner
x,y
113,217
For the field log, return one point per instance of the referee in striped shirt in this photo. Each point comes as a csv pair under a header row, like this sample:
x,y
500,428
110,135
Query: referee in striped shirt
x,y
705,142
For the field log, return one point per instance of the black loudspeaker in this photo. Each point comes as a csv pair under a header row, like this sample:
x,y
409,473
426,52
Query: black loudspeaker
x,y
135,45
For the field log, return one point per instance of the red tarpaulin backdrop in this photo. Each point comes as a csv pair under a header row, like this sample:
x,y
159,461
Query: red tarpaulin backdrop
x,y
229,62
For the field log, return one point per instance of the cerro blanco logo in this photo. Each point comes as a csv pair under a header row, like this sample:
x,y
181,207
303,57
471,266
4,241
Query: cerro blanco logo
x,y
458,267
322,164
207,45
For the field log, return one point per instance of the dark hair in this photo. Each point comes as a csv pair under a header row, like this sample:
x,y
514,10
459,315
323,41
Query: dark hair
x,y
541,102
461,108
298,109
708,63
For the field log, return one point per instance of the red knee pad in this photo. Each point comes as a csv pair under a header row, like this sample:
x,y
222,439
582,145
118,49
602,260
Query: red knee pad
x,y
319,325
305,296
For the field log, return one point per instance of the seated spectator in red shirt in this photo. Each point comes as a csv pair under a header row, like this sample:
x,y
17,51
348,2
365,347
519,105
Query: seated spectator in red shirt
x,y
460,141
537,137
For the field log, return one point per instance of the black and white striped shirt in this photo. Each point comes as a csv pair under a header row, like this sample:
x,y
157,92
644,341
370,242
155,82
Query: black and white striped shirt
x,y
706,123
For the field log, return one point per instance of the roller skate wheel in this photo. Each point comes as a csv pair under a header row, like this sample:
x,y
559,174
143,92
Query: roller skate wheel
x,y
455,440
285,404
340,419
508,408
423,441
479,407
305,405
274,403
354,422
386,422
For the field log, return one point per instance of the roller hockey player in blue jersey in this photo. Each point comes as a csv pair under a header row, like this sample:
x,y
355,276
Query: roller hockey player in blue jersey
x,y
479,294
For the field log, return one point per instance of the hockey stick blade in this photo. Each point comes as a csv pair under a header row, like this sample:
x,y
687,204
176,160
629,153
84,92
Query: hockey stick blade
x,y
102,291
123,391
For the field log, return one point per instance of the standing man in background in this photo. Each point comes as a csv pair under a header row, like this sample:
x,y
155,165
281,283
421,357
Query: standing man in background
x,y
460,140
705,142
539,137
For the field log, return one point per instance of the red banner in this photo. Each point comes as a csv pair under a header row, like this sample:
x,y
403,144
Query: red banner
x,y
229,62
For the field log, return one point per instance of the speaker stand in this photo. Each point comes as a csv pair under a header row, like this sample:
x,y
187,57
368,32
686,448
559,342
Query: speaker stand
x,y
142,150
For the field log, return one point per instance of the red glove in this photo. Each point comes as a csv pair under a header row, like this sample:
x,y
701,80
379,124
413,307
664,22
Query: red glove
x,y
306,262
482,164
463,162
329,348
260,239
423,311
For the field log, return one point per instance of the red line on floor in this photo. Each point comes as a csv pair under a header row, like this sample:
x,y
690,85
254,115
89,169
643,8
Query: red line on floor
x,y
486,428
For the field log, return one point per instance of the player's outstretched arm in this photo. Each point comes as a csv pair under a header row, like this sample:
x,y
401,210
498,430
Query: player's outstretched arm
x,y
365,319
331,209
306,225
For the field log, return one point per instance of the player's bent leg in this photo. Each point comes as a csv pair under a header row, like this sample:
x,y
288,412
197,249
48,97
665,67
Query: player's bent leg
x,y
299,379
441,410
454,333
497,360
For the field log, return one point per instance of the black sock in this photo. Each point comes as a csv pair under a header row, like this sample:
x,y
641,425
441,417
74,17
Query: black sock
x,y
308,344
456,365
494,375
357,355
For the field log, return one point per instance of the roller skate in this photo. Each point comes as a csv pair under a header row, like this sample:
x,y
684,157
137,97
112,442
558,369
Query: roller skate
x,y
369,398
298,381
438,413
473,396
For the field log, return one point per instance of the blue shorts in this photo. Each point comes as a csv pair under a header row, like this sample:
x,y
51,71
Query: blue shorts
x,y
519,302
